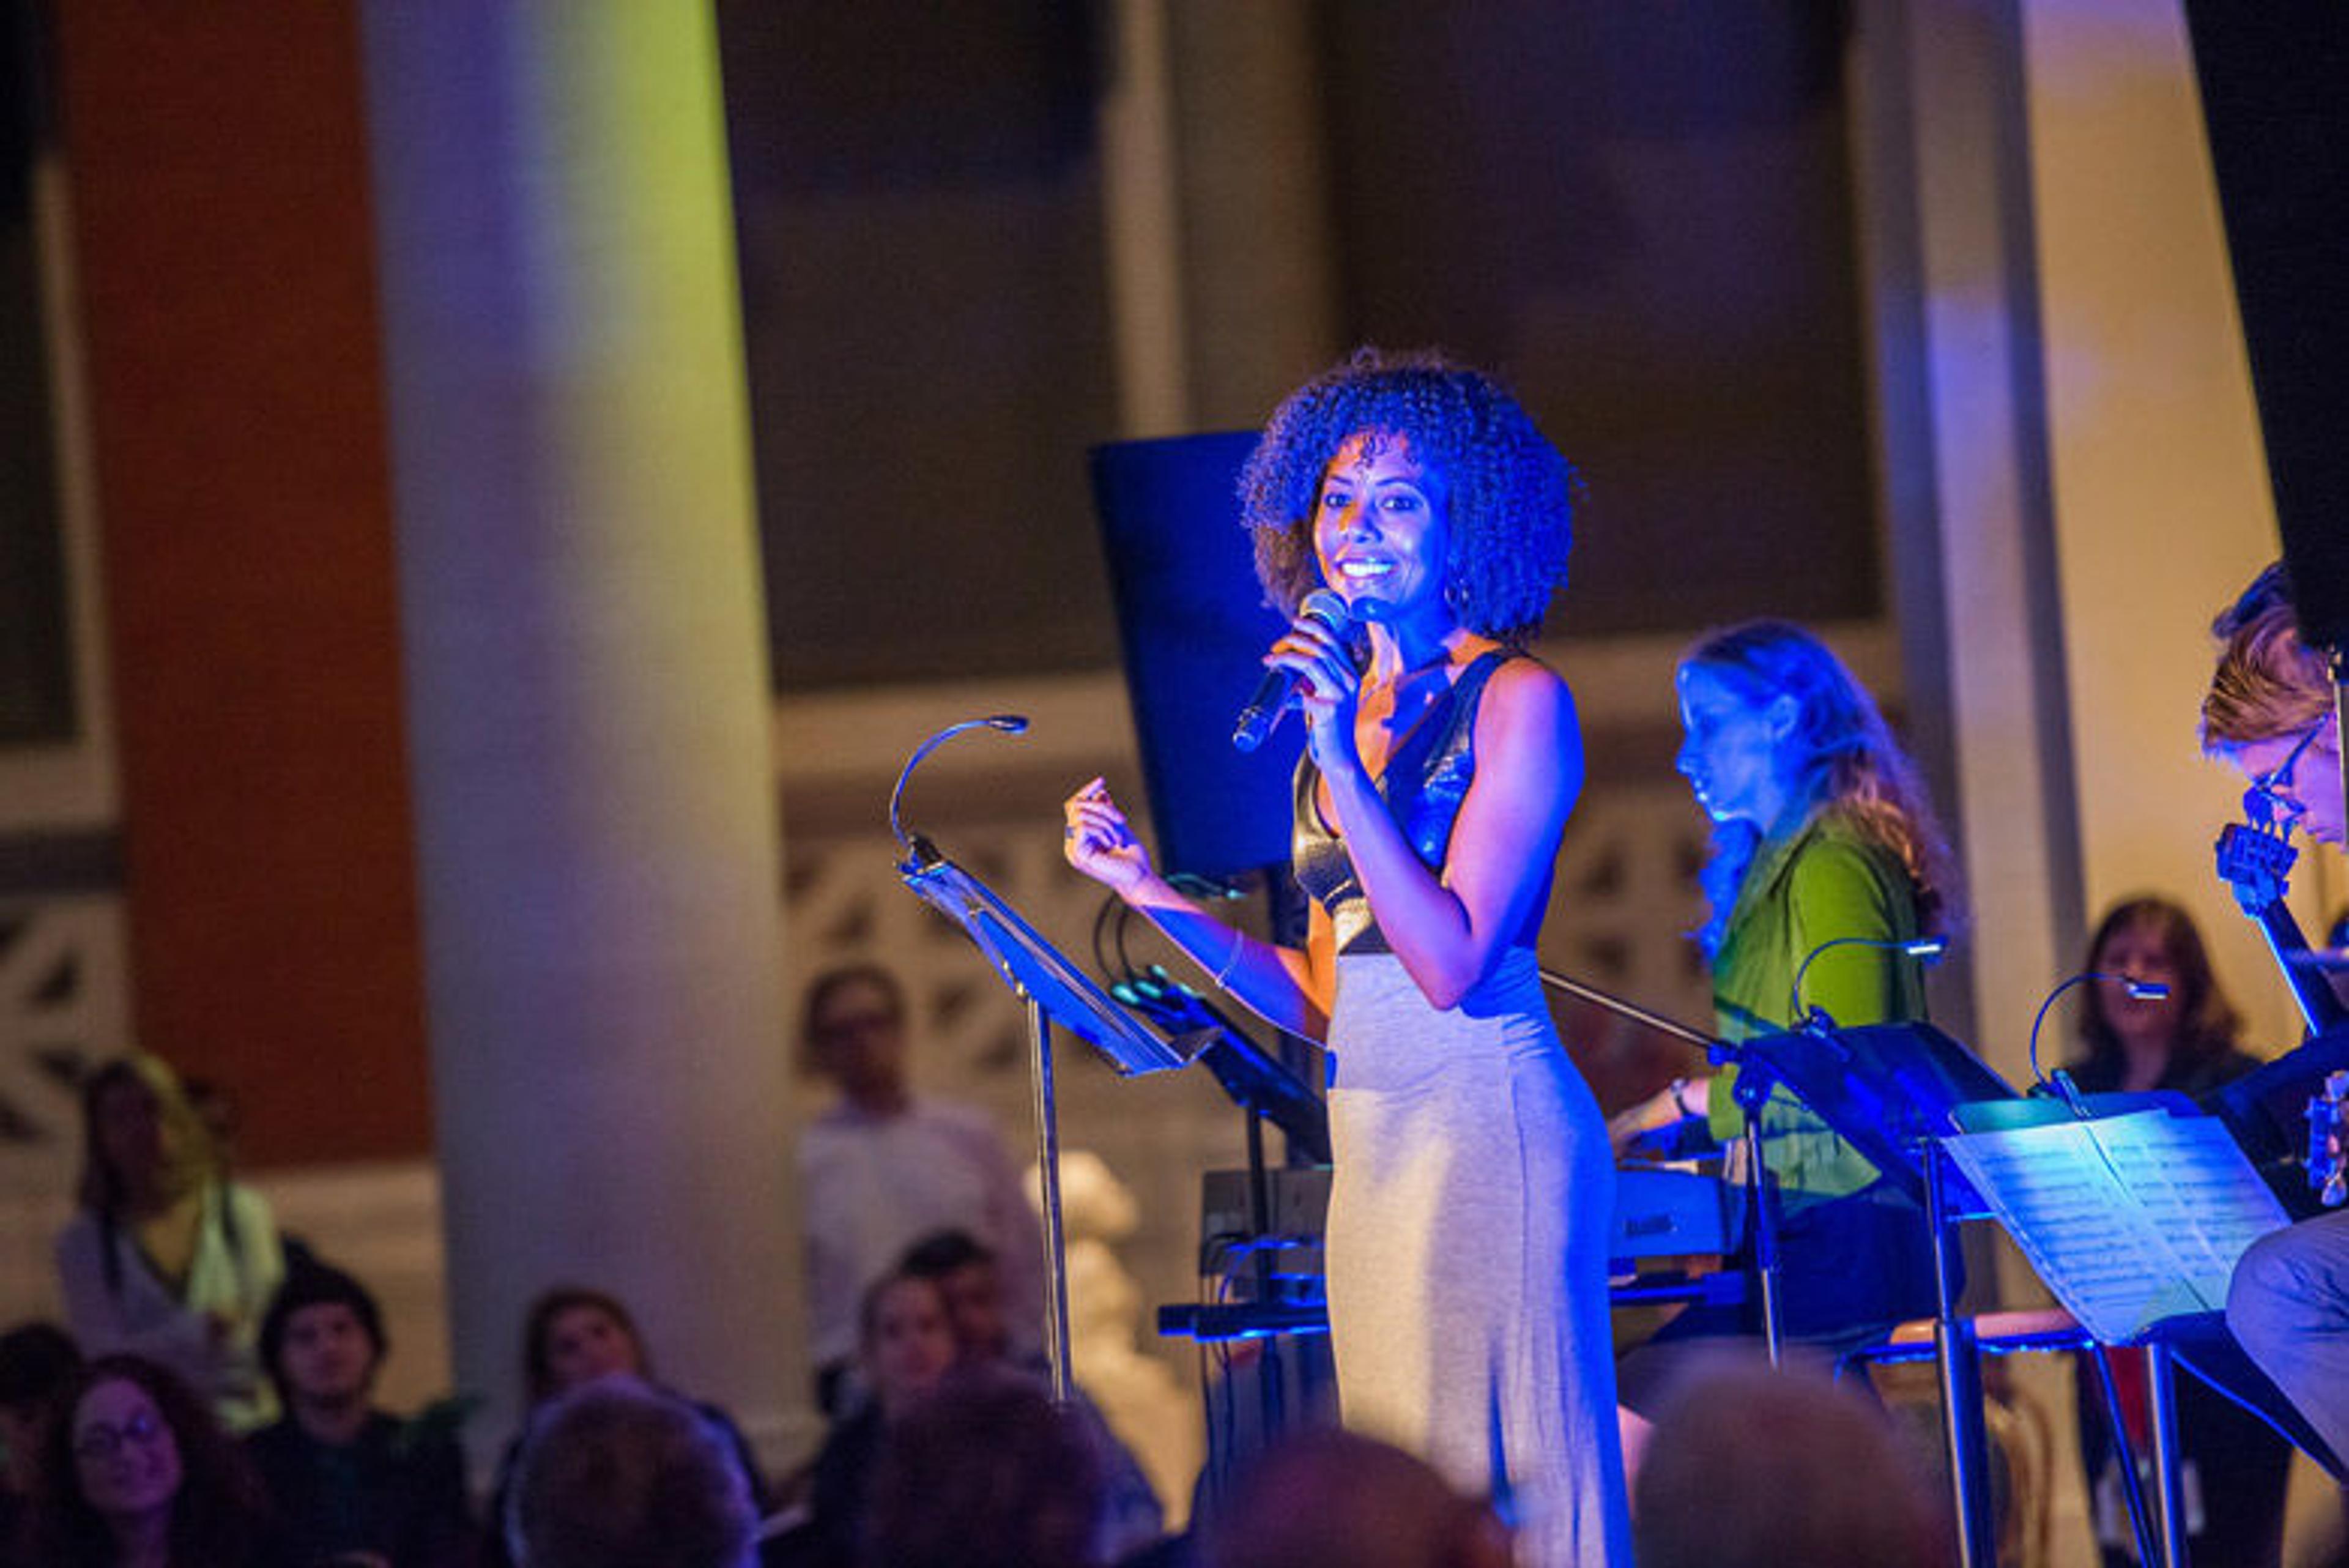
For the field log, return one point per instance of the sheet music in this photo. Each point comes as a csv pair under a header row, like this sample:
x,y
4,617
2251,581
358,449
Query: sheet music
x,y
2130,1220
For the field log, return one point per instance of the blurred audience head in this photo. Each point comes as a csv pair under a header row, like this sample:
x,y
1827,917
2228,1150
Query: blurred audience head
x,y
854,1033
573,1336
38,1366
619,1475
138,1453
964,1269
1339,1500
322,1339
906,1339
142,1143
2154,939
1750,1468
985,1472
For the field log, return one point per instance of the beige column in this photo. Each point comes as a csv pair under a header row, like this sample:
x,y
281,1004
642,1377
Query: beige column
x,y
2162,506
586,683
1948,254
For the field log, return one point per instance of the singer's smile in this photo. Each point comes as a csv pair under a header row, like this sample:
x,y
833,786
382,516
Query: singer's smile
x,y
1378,526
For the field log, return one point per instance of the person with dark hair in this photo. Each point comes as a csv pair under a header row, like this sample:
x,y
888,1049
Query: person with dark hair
x,y
148,1478
1467,1295
2184,1041
2270,714
1821,834
884,1168
621,1475
985,1472
906,1345
1339,1500
166,1258
573,1337
38,1366
967,1282
1760,1467
347,1479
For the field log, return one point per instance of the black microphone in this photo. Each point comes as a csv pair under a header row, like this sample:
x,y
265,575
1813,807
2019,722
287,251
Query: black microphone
x,y
1272,693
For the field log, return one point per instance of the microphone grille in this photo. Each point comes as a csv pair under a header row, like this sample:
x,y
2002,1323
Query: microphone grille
x,y
1327,607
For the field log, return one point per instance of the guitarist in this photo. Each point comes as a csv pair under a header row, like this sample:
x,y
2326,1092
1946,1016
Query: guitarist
x,y
2270,713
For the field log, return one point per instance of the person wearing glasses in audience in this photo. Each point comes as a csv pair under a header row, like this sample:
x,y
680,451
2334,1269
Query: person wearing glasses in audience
x,y
885,1168
149,1479
2270,714
1821,833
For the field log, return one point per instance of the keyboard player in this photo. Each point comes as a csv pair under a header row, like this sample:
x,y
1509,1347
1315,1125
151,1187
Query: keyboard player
x,y
1822,832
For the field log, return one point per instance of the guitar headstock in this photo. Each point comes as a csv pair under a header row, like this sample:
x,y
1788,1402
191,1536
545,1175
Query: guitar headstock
x,y
2256,863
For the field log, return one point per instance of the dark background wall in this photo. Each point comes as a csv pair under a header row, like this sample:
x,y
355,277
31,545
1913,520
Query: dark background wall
x,y
1641,214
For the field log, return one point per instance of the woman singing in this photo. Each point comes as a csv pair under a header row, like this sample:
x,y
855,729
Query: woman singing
x,y
1467,1232
1821,833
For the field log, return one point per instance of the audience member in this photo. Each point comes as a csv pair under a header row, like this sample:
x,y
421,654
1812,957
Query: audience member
x,y
345,1477
574,1337
38,1366
906,1345
166,1258
2239,1466
148,1478
884,1168
971,1285
1752,1467
621,1475
985,1472
1339,1500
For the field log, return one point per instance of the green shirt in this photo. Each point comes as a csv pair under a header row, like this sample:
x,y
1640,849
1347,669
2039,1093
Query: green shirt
x,y
1825,882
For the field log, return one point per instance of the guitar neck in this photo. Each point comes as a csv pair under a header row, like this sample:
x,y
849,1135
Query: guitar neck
x,y
2320,1004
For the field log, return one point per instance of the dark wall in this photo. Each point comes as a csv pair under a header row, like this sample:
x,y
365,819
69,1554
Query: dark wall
x,y
1641,214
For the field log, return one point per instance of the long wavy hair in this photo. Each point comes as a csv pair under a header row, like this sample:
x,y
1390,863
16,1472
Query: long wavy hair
x,y
2268,682
1508,495
1843,763
2207,1023
220,1514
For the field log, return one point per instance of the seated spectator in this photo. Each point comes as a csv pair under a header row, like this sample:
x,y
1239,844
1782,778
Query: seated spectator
x,y
906,1347
971,1284
168,1259
345,1477
985,1472
573,1337
149,1479
38,1365
2233,1462
1752,1467
884,1168
620,1475
1338,1499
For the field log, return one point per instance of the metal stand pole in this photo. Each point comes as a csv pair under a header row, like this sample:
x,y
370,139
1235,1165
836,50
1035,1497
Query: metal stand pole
x,y
2169,1498
1959,1360
1048,1167
2124,1456
1765,1232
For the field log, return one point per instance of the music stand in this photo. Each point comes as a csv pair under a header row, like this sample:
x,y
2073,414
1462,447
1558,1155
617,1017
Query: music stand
x,y
1053,987
1892,1090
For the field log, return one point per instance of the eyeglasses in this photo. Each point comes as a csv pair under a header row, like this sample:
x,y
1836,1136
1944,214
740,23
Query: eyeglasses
x,y
2264,802
103,1443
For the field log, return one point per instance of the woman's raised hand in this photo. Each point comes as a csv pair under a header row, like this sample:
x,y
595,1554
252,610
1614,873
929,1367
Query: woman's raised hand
x,y
1099,841
1327,689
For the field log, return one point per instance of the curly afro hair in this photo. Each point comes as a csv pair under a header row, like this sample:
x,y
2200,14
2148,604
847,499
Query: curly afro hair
x,y
1508,492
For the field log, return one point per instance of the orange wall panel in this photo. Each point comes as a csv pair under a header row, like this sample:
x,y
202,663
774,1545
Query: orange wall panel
x,y
217,162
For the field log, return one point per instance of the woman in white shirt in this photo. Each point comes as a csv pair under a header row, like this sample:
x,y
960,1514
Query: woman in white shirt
x,y
167,1259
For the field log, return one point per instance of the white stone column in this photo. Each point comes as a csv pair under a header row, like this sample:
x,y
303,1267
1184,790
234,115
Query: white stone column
x,y
586,683
1948,259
